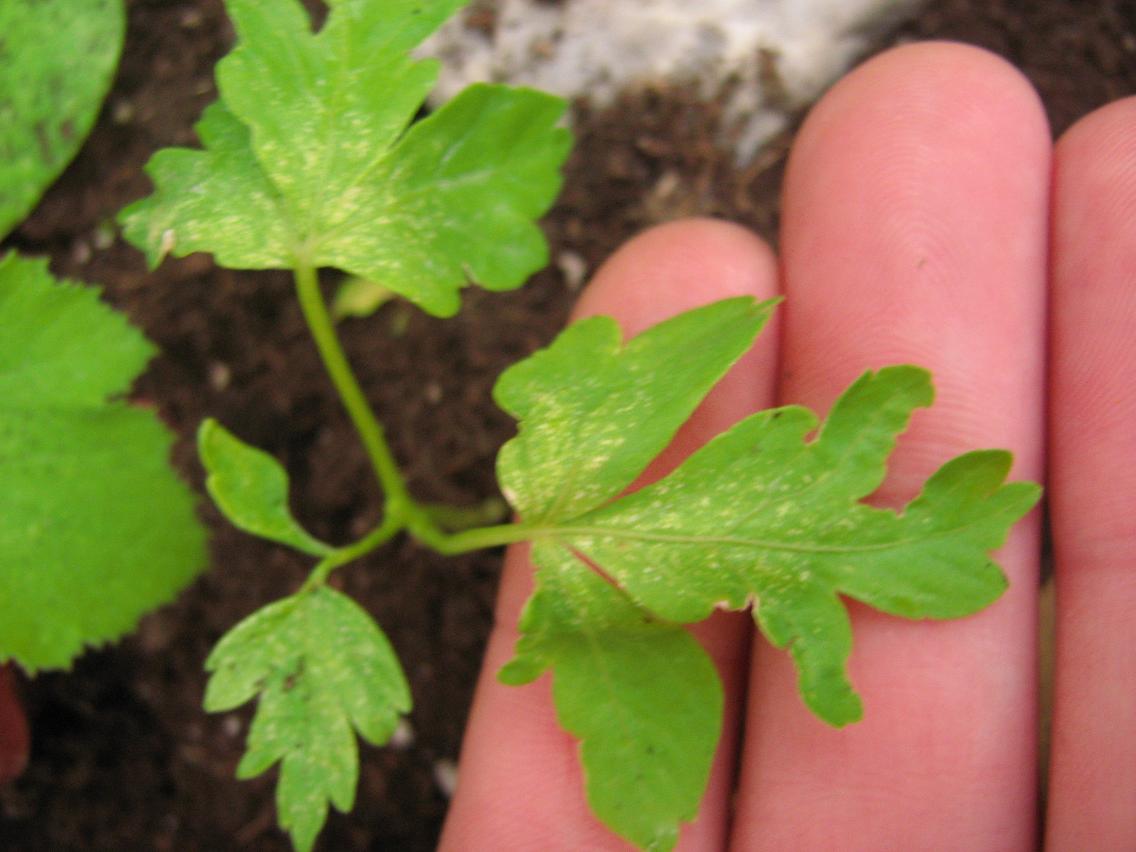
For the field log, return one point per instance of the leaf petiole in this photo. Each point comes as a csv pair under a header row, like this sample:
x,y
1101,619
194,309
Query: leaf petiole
x,y
491,510
380,535
421,527
478,538
354,400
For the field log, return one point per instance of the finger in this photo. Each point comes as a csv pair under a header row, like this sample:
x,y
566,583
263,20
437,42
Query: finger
x,y
1092,793
520,785
914,231
13,729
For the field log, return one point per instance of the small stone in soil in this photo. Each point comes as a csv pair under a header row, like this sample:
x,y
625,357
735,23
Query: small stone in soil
x,y
446,776
403,736
574,269
220,375
231,726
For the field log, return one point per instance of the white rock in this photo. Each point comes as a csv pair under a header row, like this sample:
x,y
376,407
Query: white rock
x,y
780,53
446,776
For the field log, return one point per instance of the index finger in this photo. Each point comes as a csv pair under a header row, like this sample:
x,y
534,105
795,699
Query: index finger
x,y
520,784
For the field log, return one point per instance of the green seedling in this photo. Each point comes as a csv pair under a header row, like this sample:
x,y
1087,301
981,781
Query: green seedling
x,y
311,158
84,474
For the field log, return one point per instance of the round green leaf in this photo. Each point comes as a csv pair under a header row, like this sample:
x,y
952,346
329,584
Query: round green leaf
x,y
95,529
57,59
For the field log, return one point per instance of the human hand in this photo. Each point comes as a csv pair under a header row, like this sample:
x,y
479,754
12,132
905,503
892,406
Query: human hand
x,y
927,219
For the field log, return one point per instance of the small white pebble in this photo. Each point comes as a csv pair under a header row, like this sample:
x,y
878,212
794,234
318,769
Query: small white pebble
x,y
190,18
80,252
446,776
433,393
403,736
667,185
574,269
219,376
231,725
122,112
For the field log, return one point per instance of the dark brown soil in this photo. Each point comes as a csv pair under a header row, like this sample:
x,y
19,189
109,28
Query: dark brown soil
x,y
123,757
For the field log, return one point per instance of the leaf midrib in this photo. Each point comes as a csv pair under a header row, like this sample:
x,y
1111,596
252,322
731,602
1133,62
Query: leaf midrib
x,y
558,533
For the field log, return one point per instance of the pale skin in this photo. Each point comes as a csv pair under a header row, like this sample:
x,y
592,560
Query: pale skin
x,y
928,219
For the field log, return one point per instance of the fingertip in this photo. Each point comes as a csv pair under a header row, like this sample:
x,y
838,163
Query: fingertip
x,y
965,64
677,266
1094,196
917,77
886,127
915,209
1106,133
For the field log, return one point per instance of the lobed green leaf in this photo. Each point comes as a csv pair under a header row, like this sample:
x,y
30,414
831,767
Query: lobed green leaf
x,y
216,200
593,412
324,107
84,476
640,694
761,514
322,670
764,515
310,159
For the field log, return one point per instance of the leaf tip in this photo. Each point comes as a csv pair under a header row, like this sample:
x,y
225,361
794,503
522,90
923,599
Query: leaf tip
x,y
838,710
211,436
519,671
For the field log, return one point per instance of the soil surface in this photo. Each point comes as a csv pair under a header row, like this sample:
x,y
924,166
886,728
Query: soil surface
x,y
124,758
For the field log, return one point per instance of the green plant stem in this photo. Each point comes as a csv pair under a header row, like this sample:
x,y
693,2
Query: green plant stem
x,y
455,518
478,538
335,361
388,529
423,521
419,525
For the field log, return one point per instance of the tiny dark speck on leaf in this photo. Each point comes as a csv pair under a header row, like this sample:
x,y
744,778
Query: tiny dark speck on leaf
x,y
294,677
43,141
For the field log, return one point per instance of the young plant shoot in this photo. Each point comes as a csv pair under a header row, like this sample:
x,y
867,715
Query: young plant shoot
x,y
310,159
